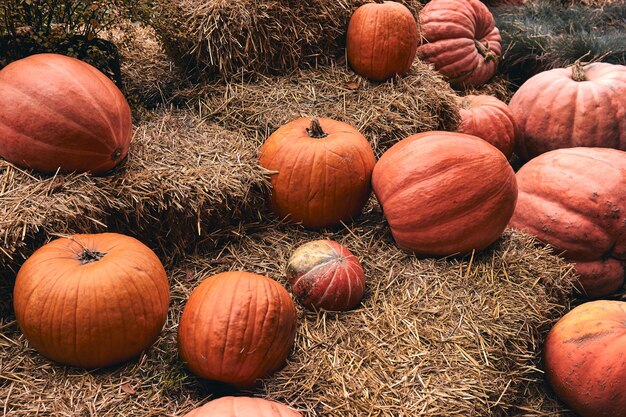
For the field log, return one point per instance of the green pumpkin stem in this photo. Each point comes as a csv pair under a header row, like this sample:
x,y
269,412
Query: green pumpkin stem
x,y
315,130
484,50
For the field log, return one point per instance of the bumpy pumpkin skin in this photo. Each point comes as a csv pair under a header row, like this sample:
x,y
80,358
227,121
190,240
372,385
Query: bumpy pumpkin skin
x,y
320,181
489,119
382,40
91,313
584,359
575,200
553,111
243,407
59,112
445,193
237,327
461,40
325,275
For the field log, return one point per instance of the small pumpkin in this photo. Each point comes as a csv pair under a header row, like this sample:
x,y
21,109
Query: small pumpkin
x,y
575,200
326,275
62,113
489,119
243,407
323,171
461,40
381,40
571,107
237,327
445,193
91,300
584,361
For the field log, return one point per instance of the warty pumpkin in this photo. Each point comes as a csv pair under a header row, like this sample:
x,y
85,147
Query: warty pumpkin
x,y
243,407
91,300
62,113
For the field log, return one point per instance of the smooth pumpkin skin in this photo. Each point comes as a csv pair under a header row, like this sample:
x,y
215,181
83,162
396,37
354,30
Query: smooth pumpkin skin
x,y
381,40
445,193
61,113
94,314
321,182
326,275
237,327
584,358
575,200
489,119
554,111
243,407
461,40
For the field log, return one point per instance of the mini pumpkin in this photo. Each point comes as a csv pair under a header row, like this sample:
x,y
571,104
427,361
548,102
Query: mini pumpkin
x,y
243,407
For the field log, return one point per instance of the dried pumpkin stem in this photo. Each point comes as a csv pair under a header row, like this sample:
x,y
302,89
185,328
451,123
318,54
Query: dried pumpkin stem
x,y
487,54
88,256
315,130
578,72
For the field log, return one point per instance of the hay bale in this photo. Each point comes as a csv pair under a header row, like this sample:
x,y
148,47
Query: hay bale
x,y
499,87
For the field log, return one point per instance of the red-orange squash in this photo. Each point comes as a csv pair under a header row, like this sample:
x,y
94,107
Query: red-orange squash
x,y
62,113
489,119
571,107
326,275
575,200
584,358
243,407
237,327
460,39
382,39
91,300
324,170
445,193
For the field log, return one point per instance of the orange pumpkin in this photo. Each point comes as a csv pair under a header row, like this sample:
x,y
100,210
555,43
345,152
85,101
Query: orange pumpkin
x,y
243,407
324,170
61,113
237,327
382,39
585,361
326,275
445,193
91,300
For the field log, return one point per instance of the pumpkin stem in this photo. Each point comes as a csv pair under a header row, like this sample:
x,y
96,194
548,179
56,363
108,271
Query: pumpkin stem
x,y
466,103
578,72
484,50
315,131
88,256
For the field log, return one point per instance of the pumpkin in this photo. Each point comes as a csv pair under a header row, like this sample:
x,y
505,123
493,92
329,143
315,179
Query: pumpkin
x,y
322,171
575,200
461,40
489,119
445,193
237,327
382,39
584,359
91,300
571,107
243,407
59,113
326,275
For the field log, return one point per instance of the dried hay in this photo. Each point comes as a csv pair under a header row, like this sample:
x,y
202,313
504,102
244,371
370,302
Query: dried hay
x,y
500,87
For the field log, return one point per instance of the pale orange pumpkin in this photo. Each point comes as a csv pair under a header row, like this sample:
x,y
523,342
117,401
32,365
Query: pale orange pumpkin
x,y
243,407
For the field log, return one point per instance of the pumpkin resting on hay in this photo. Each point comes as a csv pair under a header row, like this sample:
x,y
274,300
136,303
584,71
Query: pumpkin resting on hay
x,y
243,407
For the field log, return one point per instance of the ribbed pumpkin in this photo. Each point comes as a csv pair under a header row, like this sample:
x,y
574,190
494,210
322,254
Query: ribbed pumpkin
x,y
445,193
91,300
461,40
489,119
62,113
326,275
237,327
575,200
324,170
382,39
584,358
571,107
243,407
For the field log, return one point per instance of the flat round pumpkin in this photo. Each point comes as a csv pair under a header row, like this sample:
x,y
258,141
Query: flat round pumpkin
x,y
243,407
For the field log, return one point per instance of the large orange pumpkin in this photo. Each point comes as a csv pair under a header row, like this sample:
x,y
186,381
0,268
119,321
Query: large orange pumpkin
x,y
62,113
461,40
91,300
445,193
584,358
237,327
382,39
571,107
324,170
243,407
575,200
